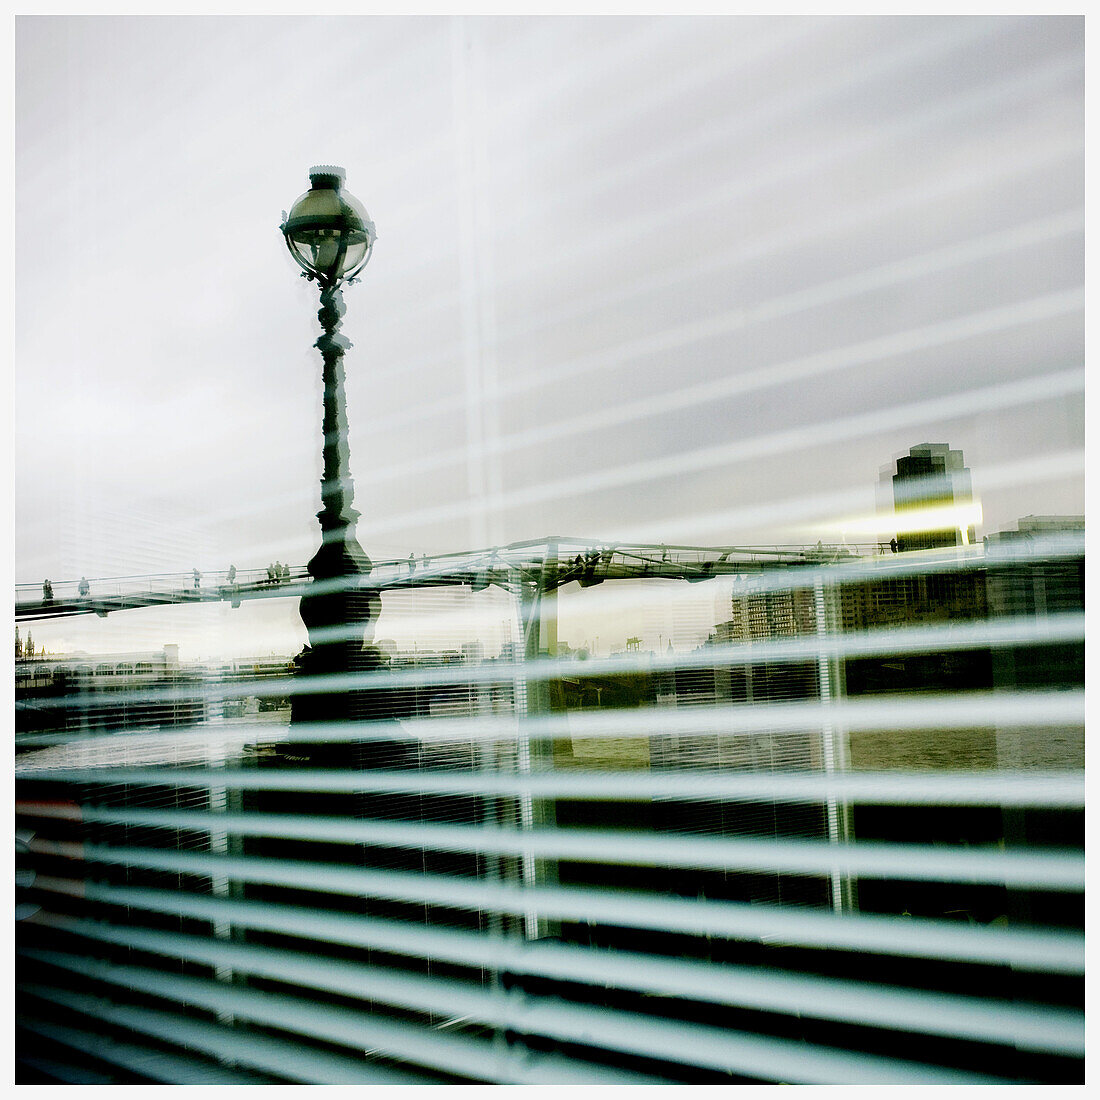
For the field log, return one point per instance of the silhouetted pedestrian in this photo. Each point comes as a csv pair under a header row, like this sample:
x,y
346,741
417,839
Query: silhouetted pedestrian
x,y
47,590
893,546
286,572
232,574
198,579
83,588
270,573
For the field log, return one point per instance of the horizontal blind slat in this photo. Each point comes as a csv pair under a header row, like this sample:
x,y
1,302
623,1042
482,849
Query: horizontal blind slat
x,y
962,710
291,1060
169,1068
1030,1026
1056,790
469,1057
725,1050
1054,950
1059,628
1039,868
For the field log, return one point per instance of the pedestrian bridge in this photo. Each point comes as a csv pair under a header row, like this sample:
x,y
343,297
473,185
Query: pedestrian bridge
x,y
547,563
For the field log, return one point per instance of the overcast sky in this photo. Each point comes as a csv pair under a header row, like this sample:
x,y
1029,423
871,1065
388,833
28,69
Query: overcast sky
x,y
663,279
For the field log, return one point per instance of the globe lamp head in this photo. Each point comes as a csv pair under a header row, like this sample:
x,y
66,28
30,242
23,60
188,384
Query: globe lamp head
x,y
327,231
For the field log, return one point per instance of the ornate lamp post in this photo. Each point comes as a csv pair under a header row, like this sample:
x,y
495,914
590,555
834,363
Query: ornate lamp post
x,y
330,237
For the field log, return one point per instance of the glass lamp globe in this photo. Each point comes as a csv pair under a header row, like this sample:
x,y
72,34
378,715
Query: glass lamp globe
x,y
328,231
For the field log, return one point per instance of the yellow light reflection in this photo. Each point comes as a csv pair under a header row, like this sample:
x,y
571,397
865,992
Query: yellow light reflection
x,y
912,521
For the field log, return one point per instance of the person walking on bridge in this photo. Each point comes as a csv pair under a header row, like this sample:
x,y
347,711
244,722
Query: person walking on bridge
x,y
83,588
47,591
198,579
232,574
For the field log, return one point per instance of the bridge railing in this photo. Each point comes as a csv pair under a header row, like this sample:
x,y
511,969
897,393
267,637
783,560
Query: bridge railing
x,y
683,562
154,584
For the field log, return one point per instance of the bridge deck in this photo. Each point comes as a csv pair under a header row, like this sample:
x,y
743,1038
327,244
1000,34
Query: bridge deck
x,y
572,560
